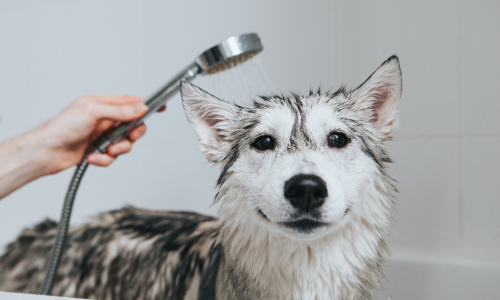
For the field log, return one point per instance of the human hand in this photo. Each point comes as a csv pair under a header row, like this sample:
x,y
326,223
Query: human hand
x,y
62,141
70,133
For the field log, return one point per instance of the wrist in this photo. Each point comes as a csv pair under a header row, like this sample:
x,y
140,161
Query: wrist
x,y
42,156
23,159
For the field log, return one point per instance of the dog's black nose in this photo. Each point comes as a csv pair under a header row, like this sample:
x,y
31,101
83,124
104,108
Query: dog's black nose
x,y
306,192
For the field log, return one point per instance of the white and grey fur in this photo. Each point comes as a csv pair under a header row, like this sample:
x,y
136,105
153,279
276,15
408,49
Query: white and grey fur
x,y
260,246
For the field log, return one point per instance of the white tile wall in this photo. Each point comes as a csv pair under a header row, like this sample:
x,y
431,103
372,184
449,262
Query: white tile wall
x,y
481,188
480,66
102,47
427,175
32,66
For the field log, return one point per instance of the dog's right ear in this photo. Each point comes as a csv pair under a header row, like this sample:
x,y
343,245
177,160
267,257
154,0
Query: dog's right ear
x,y
211,118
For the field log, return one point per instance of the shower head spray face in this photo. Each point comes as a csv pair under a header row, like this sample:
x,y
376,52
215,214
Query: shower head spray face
x,y
231,52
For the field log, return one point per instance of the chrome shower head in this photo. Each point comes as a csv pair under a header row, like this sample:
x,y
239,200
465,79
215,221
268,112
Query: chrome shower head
x,y
229,53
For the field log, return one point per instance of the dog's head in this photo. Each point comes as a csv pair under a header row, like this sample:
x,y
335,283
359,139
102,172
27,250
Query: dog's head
x,y
302,165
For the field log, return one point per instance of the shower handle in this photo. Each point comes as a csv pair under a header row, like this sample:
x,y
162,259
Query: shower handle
x,y
154,102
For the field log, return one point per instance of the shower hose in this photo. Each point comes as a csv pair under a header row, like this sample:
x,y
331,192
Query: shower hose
x,y
62,229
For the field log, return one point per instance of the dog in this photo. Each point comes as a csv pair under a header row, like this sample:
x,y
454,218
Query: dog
x,y
305,202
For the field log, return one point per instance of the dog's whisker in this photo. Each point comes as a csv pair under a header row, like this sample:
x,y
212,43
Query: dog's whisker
x,y
256,206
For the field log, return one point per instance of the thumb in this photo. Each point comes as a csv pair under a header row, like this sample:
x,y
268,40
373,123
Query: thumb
x,y
122,113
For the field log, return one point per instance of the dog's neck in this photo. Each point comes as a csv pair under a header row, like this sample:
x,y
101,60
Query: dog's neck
x,y
263,264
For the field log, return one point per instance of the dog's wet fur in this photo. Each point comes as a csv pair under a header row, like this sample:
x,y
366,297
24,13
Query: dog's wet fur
x,y
305,200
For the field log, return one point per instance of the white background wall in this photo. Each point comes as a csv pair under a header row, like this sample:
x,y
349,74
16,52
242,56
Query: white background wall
x,y
446,152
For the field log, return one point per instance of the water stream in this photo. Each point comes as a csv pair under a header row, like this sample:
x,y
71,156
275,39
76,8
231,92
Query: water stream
x,y
242,83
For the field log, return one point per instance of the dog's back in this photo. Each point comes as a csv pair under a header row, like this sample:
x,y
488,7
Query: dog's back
x,y
125,254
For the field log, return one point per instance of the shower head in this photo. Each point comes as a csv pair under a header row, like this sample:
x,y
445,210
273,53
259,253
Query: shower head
x,y
229,53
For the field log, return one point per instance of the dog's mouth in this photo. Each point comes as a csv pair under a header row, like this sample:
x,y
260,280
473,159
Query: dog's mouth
x,y
302,225
305,225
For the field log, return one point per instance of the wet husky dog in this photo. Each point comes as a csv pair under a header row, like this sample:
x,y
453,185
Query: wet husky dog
x,y
304,195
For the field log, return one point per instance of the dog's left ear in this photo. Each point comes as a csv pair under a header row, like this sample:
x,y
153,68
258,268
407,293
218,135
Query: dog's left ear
x,y
379,96
211,118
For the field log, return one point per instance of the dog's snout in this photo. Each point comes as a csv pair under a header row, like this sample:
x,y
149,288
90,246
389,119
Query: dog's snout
x,y
306,192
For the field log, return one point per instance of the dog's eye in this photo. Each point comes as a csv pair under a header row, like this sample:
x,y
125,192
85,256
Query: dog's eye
x,y
264,143
337,140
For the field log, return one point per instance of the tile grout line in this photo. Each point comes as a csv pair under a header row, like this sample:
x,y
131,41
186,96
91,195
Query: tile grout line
x,y
461,208
143,179
336,27
143,47
447,136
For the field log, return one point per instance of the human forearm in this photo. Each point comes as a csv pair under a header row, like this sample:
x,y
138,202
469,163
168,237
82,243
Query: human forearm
x,y
61,142
22,160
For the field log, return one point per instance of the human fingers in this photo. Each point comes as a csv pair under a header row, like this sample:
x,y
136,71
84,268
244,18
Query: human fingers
x,y
137,132
117,99
122,113
100,159
102,126
121,147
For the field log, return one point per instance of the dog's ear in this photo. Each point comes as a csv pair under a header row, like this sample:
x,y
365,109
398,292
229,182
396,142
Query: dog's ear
x,y
211,119
379,96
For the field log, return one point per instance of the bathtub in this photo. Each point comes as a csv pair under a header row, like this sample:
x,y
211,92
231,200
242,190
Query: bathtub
x,y
434,271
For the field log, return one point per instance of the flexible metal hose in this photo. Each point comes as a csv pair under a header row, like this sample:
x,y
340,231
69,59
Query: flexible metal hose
x,y
62,229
